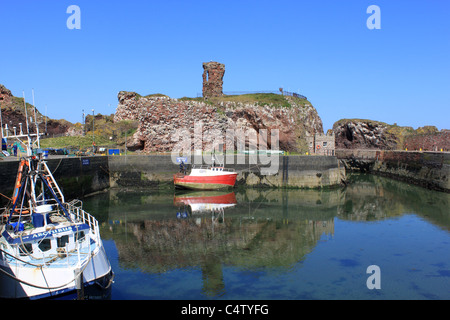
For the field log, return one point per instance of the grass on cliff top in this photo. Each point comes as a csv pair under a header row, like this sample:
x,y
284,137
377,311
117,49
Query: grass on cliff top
x,y
107,134
371,122
393,128
261,99
77,142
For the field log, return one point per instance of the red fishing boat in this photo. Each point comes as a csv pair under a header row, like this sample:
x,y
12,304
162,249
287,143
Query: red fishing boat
x,y
206,178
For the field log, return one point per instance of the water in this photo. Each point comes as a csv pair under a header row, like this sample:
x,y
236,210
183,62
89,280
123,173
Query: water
x,y
278,244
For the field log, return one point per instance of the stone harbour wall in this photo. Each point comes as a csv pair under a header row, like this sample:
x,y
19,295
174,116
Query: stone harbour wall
x,y
290,172
427,169
81,176
76,176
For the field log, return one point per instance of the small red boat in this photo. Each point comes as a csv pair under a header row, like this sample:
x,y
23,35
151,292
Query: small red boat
x,y
206,178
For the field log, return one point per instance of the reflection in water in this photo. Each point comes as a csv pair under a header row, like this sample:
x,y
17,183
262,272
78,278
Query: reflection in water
x,y
251,230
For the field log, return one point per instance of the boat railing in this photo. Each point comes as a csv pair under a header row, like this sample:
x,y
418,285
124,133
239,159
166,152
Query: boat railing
x,y
4,215
84,217
213,167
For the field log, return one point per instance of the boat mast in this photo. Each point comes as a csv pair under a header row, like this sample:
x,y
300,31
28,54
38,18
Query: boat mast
x,y
35,122
1,127
28,128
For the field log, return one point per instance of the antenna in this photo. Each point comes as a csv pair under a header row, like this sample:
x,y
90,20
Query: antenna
x,y
26,112
28,129
46,119
35,122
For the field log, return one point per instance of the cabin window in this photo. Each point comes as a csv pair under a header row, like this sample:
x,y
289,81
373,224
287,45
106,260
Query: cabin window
x,y
45,245
79,236
62,241
324,144
25,249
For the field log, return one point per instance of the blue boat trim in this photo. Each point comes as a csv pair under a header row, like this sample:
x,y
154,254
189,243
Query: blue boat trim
x,y
44,234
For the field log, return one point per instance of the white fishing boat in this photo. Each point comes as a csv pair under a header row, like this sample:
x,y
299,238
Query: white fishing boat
x,y
48,247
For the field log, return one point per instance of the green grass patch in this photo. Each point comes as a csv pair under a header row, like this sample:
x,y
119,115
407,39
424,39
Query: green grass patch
x,y
78,142
261,99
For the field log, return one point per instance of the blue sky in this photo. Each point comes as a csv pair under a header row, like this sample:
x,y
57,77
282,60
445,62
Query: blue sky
x,y
319,48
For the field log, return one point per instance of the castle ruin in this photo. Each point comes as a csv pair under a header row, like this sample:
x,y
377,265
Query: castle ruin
x,y
213,79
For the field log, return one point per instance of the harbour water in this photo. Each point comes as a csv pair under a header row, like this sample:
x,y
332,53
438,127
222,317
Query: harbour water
x,y
274,244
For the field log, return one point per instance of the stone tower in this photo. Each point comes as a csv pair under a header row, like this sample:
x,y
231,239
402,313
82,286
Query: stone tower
x,y
213,79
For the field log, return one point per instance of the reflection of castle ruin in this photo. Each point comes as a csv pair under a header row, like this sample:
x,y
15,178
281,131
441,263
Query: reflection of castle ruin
x,y
249,235
157,246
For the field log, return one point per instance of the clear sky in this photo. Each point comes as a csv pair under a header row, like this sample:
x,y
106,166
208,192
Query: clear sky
x,y
322,49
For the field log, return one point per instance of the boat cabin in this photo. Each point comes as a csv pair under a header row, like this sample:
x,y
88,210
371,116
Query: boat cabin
x,y
44,242
44,233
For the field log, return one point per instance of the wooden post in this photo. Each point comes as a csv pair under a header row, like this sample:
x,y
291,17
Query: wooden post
x,y
80,286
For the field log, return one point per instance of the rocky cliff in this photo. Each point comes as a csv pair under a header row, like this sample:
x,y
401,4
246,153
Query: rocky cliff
x,y
13,113
369,134
161,119
363,134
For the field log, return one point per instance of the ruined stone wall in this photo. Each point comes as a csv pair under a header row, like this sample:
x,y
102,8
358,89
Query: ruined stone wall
x,y
213,79
161,120
429,142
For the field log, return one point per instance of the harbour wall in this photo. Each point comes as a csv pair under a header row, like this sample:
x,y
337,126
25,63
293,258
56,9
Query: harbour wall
x,y
76,176
427,169
80,176
290,171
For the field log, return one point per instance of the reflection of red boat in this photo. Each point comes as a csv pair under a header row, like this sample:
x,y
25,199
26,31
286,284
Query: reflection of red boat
x,y
203,197
206,179
203,202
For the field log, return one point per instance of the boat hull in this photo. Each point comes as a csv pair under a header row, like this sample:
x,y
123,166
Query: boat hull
x,y
205,182
97,270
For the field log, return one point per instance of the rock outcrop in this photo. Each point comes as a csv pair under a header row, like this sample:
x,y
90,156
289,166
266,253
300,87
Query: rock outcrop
x,y
13,113
363,134
161,121
369,134
5,95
